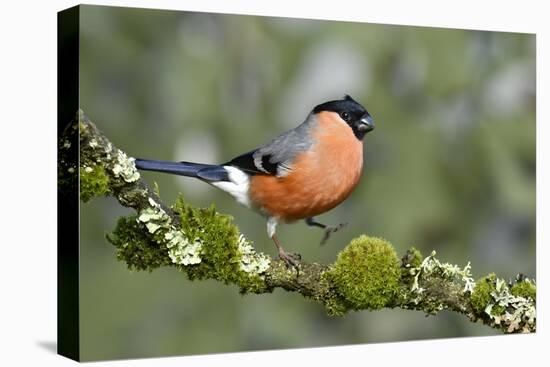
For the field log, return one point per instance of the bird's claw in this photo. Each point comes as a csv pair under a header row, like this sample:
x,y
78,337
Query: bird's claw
x,y
330,230
291,259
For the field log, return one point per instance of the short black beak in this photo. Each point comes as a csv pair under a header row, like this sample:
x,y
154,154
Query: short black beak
x,y
366,124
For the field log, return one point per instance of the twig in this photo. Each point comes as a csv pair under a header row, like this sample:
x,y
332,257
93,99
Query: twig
x,y
205,244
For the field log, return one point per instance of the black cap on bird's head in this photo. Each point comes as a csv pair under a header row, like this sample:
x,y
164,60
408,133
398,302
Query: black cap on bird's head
x,y
349,110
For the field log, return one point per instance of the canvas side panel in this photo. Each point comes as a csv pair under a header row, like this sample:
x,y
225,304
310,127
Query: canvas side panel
x,y
68,194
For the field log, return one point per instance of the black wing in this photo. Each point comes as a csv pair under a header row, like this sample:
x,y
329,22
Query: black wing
x,y
255,163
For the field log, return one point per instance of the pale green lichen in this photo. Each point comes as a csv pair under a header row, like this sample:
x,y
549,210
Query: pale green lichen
x,y
251,261
430,266
154,218
519,314
125,167
93,143
180,249
107,150
493,297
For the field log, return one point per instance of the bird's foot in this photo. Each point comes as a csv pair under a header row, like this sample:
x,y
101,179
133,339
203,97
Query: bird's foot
x,y
291,259
330,230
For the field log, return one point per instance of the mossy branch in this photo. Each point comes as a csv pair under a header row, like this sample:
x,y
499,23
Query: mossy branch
x,y
204,244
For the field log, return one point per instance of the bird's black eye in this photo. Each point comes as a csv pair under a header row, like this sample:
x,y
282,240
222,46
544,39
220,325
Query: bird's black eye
x,y
345,116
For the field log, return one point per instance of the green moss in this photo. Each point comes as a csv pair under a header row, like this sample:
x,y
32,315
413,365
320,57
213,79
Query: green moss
x,y
481,295
366,273
136,247
220,254
335,307
335,304
146,241
93,182
412,259
410,263
524,289
498,310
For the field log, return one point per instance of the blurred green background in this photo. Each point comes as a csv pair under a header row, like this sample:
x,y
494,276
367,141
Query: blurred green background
x,y
450,166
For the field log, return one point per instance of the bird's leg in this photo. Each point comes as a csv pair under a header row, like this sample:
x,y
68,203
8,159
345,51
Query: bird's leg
x,y
327,229
291,259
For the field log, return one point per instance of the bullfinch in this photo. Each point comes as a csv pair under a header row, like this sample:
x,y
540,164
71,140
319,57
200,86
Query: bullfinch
x,y
301,173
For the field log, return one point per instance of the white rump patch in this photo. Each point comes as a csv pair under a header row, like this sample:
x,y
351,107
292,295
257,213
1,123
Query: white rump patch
x,y
237,187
